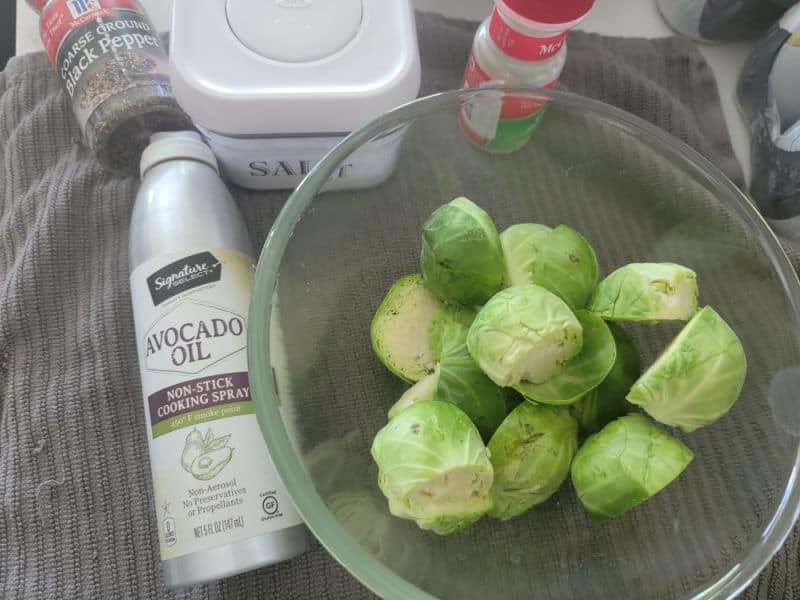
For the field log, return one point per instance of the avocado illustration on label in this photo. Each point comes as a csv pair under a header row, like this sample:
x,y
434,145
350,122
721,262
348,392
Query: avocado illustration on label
x,y
204,456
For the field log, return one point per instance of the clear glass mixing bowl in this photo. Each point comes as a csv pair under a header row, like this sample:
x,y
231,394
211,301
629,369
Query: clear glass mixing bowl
x,y
637,194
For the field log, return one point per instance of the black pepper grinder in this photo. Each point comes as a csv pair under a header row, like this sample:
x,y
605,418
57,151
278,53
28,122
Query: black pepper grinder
x,y
115,72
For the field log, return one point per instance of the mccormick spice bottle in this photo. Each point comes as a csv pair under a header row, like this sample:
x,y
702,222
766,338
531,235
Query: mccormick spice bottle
x,y
114,69
220,505
522,43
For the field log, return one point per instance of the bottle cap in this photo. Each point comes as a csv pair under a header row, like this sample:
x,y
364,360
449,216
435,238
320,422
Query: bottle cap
x,y
547,14
37,5
176,145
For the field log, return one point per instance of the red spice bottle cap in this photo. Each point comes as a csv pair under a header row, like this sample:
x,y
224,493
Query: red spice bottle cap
x,y
549,12
37,5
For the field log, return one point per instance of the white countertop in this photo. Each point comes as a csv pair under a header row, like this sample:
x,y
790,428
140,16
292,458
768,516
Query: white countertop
x,y
626,18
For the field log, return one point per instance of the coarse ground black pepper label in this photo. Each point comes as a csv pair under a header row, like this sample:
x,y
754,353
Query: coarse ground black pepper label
x,y
100,48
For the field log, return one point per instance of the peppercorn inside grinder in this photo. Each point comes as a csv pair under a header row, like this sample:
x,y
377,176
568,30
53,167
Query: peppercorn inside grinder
x,y
274,86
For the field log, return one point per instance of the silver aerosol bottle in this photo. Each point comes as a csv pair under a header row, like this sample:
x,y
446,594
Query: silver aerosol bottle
x,y
221,507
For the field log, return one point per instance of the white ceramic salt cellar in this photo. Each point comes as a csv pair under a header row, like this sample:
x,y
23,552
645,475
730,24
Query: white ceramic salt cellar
x,y
273,86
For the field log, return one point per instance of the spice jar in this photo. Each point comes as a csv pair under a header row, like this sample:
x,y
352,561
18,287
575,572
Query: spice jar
x,y
523,42
114,70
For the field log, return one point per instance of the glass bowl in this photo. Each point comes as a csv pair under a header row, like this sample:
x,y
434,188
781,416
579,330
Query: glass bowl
x,y
638,195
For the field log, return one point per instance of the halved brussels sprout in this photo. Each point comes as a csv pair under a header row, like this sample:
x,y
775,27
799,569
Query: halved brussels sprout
x,y
405,328
434,468
531,452
524,333
520,245
583,372
627,462
422,391
697,378
462,260
607,401
567,266
459,381
647,292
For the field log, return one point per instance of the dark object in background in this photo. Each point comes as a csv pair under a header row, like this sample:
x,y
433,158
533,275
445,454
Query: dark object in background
x,y
113,66
769,98
8,31
722,20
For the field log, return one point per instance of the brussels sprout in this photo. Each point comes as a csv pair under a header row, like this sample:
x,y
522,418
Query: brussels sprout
x,y
459,381
697,378
422,391
462,260
607,401
524,333
452,320
627,462
405,328
464,384
567,266
583,372
434,468
520,245
530,452
647,292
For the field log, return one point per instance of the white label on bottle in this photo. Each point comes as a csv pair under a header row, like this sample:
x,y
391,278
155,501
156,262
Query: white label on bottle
x,y
213,481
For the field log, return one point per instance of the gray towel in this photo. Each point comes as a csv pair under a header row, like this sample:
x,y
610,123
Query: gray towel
x,y
76,517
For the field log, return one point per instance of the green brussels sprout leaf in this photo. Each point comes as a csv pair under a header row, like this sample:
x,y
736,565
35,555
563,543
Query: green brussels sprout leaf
x,y
582,373
434,467
531,452
459,381
452,320
520,245
567,266
462,260
697,378
464,384
624,464
524,333
647,292
607,401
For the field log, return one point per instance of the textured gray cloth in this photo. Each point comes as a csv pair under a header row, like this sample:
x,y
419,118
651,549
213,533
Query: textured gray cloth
x,y
75,515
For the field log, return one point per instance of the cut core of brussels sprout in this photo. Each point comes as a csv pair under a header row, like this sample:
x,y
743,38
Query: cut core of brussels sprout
x,y
433,467
405,328
524,333
624,464
462,260
567,266
607,401
583,372
531,452
647,292
520,245
697,378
